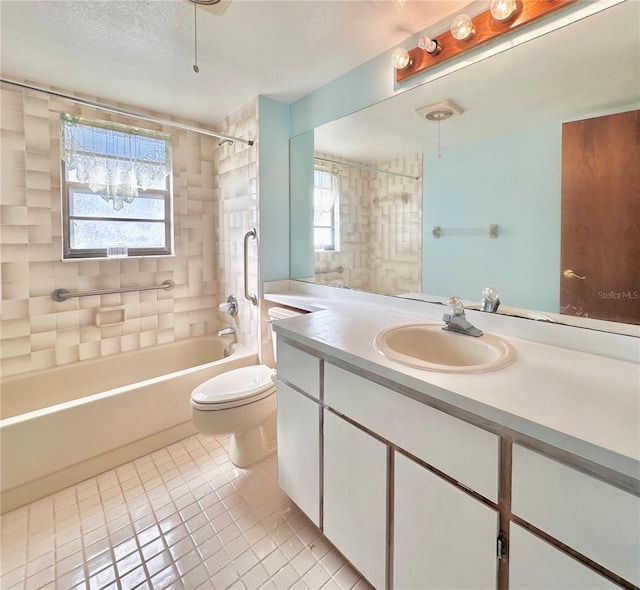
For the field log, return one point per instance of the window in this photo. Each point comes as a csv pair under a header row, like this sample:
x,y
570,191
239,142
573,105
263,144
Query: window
x,y
325,210
116,190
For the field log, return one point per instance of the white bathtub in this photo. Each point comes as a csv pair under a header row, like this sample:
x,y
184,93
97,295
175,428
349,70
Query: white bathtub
x,y
62,425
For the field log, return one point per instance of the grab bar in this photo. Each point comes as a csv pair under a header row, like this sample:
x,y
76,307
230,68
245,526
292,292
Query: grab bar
x,y
339,269
250,234
437,231
64,294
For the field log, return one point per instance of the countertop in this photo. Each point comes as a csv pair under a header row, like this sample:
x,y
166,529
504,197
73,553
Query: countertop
x,y
583,403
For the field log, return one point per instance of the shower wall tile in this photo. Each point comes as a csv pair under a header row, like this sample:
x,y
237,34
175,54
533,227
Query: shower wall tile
x,y
380,229
237,213
39,333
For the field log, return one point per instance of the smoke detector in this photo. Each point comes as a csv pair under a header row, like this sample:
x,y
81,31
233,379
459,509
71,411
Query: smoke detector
x,y
217,7
440,111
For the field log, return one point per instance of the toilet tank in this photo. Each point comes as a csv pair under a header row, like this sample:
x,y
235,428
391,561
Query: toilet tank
x,y
280,313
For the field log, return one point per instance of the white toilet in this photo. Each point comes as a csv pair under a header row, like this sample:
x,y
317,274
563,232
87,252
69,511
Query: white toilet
x,y
241,403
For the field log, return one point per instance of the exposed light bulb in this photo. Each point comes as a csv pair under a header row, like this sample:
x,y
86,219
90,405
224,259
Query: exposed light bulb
x,y
431,46
400,58
462,27
503,10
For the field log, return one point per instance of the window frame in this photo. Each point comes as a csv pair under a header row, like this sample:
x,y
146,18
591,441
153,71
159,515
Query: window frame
x,y
67,187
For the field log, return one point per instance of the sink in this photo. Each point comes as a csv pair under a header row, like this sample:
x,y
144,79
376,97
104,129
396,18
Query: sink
x,y
428,346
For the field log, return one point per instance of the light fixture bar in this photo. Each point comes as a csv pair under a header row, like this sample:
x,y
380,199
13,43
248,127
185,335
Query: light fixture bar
x,y
125,112
486,28
363,167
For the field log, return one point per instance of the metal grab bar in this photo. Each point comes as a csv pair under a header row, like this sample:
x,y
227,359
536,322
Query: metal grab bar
x,y
64,294
339,269
437,231
252,233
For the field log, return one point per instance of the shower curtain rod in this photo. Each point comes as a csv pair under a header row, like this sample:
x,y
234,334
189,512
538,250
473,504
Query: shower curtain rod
x,y
125,112
363,167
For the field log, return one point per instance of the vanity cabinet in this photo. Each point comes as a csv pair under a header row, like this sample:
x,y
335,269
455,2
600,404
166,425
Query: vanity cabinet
x,y
410,493
355,496
535,564
594,518
299,419
442,536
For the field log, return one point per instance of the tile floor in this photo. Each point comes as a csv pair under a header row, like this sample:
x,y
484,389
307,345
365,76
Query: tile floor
x,y
183,517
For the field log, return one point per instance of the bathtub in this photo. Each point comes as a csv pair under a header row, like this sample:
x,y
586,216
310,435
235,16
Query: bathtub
x,y
63,425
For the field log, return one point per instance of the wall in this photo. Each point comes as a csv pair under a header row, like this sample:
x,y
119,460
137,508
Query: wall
x,y
513,181
380,229
39,333
237,214
396,227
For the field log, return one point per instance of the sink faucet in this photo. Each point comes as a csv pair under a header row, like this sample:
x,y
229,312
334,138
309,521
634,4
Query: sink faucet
x,y
490,300
456,320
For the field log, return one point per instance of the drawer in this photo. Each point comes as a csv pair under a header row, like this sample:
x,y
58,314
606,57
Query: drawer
x,y
468,454
596,519
299,369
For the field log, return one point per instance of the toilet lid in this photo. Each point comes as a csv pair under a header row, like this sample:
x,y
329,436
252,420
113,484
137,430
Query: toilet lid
x,y
244,385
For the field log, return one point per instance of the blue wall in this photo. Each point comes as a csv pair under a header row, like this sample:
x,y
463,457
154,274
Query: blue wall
x,y
273,183
513,181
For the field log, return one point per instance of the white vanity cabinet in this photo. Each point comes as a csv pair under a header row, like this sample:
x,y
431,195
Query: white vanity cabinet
x,y
534,564
299,417
442,536
595,518
355,496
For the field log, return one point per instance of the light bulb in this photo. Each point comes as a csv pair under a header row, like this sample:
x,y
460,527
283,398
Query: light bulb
x,y
503,10
431,46
400,58
462,27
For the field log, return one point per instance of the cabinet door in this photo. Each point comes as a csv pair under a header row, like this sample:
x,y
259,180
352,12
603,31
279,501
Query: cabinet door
x,y
534,564
299,450
355,496
442,537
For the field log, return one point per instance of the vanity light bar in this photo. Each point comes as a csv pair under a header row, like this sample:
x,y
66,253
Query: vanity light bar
x,y
485,28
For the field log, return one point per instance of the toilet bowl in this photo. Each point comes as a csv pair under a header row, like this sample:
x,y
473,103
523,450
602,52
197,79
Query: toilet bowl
x,y
241,403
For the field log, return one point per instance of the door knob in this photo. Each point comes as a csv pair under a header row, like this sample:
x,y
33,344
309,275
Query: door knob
x,y
572,275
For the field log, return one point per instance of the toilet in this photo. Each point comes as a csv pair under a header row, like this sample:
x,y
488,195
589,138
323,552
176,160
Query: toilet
x,y
242,403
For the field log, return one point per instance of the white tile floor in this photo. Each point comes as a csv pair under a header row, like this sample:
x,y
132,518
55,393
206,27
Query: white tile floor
x,y
183,517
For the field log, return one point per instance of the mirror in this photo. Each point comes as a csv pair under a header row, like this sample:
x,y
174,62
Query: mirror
x,y
498,164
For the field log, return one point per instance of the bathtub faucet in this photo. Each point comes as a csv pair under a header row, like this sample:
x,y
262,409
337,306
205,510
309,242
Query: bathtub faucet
x,y
230,330
225,331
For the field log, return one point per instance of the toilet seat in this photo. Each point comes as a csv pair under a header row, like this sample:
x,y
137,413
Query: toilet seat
x,y
234,388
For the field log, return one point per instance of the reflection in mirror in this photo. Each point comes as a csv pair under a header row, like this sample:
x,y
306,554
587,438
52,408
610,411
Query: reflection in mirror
x,y
500,162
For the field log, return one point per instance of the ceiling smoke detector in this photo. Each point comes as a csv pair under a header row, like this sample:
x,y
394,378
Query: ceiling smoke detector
x,y
217,7
440,111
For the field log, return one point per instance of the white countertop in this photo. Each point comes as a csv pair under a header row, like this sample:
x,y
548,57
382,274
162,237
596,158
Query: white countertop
x,y
583,403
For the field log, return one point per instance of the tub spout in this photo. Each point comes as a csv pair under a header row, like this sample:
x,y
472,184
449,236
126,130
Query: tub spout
x,y
225,331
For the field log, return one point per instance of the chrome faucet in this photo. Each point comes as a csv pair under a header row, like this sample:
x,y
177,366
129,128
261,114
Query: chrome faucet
x,y
231,330
225,331
456,320
490,300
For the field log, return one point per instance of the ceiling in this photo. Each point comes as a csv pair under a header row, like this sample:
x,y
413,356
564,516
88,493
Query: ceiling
x,y
141,52
561,76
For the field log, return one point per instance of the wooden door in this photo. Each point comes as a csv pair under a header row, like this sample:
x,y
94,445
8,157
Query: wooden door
x,y
600,251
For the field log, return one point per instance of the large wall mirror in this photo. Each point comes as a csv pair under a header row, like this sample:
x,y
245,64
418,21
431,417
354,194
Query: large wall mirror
x,y
534,189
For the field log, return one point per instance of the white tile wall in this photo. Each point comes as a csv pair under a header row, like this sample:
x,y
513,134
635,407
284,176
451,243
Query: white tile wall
x,y
211,210
238,212
380,229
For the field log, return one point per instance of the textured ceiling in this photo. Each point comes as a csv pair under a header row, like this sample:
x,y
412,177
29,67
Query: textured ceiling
x,y
141,52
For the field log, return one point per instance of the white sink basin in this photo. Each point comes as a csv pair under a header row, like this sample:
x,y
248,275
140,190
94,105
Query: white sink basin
x,y
428,346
